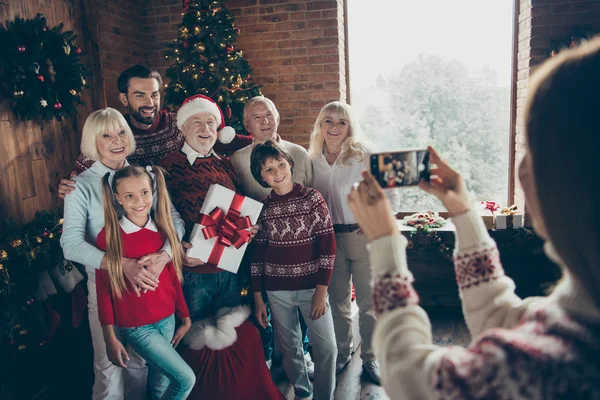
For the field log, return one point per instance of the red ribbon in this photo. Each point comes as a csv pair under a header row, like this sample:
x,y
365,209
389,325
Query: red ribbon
x,y
491,205
230,228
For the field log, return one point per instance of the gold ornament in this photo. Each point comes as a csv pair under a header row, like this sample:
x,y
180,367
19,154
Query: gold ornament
x,y
1,267
38,239
18,93
51,235
60,221
244,291
21,347
23,332
32,254
67,49
211,65
82,81
16,243
3,255
73,92
200,47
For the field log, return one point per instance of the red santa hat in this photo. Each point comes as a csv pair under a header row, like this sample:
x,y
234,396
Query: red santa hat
x,y
200,103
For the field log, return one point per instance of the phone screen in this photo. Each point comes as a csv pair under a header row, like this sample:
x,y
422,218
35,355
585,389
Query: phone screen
x,y
400,168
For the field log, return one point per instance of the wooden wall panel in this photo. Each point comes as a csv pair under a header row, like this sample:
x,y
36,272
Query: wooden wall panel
x,y
34,154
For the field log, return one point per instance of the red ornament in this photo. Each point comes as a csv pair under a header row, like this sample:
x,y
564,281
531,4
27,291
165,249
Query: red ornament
x,y
237,30
77,50
186,44
228,112
57,106
59,231
230,48
40,78
46,232
44,29
21,49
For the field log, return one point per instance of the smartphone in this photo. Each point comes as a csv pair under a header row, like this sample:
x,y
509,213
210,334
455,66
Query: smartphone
x,y
399,168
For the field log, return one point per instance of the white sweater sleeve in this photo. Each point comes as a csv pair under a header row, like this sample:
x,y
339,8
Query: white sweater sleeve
x,y
73,239
488,296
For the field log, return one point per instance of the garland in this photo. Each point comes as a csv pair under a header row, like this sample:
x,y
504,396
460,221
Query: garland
x,y
24,253
40,69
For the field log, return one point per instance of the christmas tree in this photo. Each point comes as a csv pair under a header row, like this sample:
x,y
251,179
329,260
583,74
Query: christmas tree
x,y
206,61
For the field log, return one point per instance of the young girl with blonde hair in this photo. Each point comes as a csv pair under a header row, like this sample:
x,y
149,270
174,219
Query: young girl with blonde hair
x,y
146,322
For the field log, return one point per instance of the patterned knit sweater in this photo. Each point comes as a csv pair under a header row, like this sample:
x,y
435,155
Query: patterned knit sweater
x,y
160,140
188,185
537,348
295,245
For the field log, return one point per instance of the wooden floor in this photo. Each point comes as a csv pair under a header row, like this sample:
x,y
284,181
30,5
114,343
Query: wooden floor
x,y
354,384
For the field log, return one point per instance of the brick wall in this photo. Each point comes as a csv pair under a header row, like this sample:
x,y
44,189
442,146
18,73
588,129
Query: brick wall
x,y
296,49
540,22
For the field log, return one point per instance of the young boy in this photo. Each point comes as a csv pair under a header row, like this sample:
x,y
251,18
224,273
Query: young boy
x,y
293,261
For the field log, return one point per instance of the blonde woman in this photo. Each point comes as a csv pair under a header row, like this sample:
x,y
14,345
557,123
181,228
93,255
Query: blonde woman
x,y
534,348
108,140
337,155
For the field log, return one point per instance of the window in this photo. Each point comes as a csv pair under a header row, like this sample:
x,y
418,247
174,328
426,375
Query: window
x,y
436,72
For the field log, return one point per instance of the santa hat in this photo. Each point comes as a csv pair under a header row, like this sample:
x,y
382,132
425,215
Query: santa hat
x,y
200,103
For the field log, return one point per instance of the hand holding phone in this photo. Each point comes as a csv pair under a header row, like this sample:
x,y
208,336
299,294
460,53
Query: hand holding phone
x,y
401,168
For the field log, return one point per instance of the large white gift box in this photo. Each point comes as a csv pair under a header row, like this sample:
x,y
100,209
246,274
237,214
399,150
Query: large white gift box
x,y
222,236
508,218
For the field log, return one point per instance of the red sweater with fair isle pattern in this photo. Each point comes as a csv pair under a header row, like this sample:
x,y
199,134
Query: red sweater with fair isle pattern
x,y
294,248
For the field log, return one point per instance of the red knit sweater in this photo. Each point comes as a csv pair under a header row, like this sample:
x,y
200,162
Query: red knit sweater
x,y
295,245
150,307
160,140
188,185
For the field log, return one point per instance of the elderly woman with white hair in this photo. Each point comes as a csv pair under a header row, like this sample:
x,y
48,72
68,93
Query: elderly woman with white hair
x,y
337,156
108,140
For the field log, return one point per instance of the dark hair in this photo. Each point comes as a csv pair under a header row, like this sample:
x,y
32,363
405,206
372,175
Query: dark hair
x,y
263,152
137,71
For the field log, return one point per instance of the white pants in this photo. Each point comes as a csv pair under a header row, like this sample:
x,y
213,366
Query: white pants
x,y
112,382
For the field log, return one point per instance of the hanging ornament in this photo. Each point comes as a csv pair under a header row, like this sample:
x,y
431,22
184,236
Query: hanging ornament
x,y
40,78
36,68
237,30
77,50
67,49
186,43
200,47
82,81
230,48
18,94
220,99
228,112
73,92
57,106
21,49
51,70
43,103
3,255
211,65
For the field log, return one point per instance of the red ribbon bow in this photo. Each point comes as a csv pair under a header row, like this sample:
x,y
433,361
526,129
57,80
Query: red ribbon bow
x,y
229,228
491,205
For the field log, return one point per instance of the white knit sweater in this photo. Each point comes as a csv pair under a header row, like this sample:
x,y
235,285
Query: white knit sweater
x,y
537,348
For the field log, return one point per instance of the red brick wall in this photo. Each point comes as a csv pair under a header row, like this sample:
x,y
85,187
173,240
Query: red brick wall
x,y
540,22
296,49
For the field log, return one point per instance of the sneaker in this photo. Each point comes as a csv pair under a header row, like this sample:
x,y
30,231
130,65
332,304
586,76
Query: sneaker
x,y
269,363
341,364
310,366
372,369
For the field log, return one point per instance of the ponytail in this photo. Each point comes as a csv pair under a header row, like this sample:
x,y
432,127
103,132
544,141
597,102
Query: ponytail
x,y
164,221
114,245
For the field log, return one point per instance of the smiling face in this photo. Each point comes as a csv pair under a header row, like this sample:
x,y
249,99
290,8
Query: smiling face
x,y
200,132
142,101
113,146
334,130
277,173
261,121
135,195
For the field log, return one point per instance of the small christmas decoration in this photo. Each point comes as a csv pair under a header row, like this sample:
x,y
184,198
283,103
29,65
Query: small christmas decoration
x,y
425,220
230,48
228,112
57,106
32,51
43,103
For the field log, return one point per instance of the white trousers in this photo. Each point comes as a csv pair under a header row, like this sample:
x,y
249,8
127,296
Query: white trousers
x,y
112,382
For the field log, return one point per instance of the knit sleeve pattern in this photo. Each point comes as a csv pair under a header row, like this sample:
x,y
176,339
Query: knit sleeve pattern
x,y
322,231
257,265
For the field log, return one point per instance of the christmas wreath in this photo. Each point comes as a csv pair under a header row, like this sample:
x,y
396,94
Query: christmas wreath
x,y
41,69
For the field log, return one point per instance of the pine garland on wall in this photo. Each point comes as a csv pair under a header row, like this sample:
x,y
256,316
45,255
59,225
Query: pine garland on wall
x,y
40,69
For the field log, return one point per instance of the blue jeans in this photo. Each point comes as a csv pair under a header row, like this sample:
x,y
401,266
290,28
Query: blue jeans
x,y
207,293
169,375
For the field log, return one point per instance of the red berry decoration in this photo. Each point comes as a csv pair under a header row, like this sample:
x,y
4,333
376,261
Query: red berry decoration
x,y
228,112
57,106
21,49
77,50
40,78
230,48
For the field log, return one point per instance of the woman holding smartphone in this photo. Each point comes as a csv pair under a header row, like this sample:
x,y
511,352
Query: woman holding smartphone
x,y
338,158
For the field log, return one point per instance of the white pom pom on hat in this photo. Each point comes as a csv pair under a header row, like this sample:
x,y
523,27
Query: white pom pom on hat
x,y
200,103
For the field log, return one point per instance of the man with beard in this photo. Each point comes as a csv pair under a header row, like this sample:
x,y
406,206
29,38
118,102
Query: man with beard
x,y
155,131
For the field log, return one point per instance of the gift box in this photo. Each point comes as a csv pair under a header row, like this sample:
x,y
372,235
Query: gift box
x,y
508,218
487,212
223,233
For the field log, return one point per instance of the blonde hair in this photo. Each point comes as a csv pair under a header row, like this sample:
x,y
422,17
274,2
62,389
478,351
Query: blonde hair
x,y
352,147
259,99
99,122
562,128
163,219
